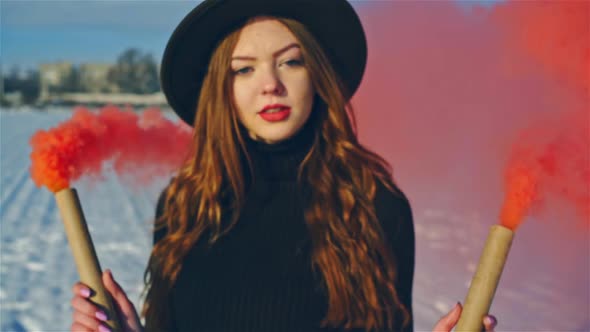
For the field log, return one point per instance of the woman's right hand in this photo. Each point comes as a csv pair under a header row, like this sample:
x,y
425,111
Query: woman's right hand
x,y
88,317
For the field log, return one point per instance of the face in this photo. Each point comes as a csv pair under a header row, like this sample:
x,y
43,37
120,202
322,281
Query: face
x,y
272,88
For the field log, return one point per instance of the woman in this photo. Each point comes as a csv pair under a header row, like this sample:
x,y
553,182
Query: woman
x,y
279,220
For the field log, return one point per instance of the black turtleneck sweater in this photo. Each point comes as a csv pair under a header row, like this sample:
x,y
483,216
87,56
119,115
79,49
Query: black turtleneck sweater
x,y
258,277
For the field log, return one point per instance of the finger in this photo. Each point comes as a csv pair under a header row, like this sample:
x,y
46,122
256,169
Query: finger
x,y
84,306
88,322
76,327
81,289
490,323
447,322
126,309
121,300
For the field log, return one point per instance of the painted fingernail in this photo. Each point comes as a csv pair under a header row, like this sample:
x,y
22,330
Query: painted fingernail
x,y
102,328
101,316
85,292
491,320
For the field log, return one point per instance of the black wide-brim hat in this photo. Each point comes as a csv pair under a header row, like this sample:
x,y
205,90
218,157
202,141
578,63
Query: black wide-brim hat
x,y
334,23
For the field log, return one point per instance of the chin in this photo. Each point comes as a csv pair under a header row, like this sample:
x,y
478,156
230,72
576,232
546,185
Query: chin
x,y
274,139
275,136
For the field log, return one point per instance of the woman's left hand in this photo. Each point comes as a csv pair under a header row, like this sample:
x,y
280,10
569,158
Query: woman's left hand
x,y
447,322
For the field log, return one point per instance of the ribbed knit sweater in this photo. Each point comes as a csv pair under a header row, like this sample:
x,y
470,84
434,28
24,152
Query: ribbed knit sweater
x,y
259,277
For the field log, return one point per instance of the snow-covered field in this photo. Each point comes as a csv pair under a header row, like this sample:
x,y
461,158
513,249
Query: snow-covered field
x,y
545,285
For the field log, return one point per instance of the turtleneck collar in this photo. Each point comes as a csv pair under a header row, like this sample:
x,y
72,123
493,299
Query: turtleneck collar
x,y
280,161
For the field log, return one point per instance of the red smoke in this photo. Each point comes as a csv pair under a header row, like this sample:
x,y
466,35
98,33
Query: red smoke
x,y
553,154
549,162
477,101
554,34
145,145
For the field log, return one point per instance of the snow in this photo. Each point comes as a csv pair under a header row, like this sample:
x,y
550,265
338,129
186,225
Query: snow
x,y
545,285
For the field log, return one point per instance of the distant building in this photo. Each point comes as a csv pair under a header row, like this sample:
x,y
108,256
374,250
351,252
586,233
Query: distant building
x,y
11,99
53,75
94,78
137,100
87,83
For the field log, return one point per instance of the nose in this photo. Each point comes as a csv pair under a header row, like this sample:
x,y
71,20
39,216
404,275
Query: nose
x,y
272,84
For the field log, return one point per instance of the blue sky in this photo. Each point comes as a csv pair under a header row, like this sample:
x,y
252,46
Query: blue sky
x,y
37,31
84,31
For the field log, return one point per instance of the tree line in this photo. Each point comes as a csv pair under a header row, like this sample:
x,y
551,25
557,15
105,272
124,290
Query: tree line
x,y
133,72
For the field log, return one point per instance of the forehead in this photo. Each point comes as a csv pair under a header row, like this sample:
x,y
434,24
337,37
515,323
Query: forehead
x,y
263,36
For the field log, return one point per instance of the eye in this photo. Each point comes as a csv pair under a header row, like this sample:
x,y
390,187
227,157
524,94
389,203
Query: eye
x,y
294,62
243,71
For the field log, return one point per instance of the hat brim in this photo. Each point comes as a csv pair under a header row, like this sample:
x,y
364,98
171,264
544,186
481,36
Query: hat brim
x,y
334,23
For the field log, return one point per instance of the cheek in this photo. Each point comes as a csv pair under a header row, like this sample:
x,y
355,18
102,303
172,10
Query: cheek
x,y
241,98
303,91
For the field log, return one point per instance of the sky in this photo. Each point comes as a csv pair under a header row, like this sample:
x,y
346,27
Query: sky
x,y
85,31
40,31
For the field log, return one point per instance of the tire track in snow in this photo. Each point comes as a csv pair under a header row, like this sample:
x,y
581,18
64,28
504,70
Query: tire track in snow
x,y
10,190
55,268
28,257
8,172
18,202
15,152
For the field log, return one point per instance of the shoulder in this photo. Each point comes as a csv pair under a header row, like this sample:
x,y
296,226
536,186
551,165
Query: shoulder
x,y
394,215
393,210
173,184
160,228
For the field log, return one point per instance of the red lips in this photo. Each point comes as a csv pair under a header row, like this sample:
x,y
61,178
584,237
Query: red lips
x,y
268,107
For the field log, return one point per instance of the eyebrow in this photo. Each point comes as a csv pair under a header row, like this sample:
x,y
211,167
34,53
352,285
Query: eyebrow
x,y
275,54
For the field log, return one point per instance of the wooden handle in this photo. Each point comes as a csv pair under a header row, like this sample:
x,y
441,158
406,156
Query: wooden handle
x,y
485,281
84,253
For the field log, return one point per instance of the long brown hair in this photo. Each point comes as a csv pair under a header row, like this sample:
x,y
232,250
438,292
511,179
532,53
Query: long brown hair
x,y
349,248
